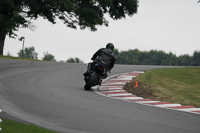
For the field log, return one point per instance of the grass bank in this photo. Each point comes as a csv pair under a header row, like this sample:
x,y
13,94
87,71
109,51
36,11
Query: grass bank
x,y
16,58
176,85
8,126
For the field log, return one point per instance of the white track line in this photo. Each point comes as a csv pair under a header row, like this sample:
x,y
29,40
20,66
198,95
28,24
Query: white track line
x,y
168,105
129,98
110,91
116,83
143,102
125,94
189,109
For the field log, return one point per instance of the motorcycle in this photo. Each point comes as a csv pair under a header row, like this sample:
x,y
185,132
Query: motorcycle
x,y
96,75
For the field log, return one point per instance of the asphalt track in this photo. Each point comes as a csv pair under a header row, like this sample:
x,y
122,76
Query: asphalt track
x,y
51,95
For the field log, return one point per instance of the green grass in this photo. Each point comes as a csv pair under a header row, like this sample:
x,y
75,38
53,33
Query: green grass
x,y
9,126
176,85
16,58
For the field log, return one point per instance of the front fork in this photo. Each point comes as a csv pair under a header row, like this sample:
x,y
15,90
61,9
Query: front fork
x,y
89,66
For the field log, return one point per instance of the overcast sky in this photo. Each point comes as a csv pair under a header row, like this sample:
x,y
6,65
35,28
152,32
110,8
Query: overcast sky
x,y
167,25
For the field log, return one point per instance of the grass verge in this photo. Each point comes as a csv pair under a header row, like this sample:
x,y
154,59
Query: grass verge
x,y
176,85
9,126
17,58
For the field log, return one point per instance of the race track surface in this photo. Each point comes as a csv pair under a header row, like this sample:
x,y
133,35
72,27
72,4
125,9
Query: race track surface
x,y
51,95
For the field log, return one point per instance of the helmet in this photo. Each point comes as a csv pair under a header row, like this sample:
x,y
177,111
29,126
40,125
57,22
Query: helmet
x,y
110,46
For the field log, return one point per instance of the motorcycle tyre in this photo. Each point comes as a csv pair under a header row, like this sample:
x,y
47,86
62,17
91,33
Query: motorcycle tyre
x,y
91,81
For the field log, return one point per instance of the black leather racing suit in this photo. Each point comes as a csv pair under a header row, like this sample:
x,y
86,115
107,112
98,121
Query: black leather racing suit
x,y
105,56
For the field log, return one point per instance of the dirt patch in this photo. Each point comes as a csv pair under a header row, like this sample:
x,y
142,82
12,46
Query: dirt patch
x,y
143,90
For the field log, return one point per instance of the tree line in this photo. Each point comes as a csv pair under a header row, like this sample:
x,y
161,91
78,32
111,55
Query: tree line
x,y
130,57
30,53
154,57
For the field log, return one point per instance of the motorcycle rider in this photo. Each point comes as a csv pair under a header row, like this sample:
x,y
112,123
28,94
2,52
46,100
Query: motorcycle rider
x,y
104,56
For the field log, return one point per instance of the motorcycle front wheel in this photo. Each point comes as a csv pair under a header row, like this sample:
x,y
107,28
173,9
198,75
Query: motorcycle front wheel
x,y
91,81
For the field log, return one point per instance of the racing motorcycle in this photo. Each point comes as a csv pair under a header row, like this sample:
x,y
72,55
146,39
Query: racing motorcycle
x,y
95,76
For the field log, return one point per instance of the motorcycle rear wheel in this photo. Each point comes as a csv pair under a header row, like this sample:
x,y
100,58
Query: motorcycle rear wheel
x,y
91,81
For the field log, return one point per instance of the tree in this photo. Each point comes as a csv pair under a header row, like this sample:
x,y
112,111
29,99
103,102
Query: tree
x,y
154,57
74,60
196,58
48,57
28,53
116,52
184,60
71,60
84,13
77,60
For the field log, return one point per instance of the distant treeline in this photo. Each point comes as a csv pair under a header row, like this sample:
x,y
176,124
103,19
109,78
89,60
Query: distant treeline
x,y
29,53
154,57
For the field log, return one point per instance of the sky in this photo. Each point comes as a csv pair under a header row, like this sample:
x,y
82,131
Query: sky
x,y
167,25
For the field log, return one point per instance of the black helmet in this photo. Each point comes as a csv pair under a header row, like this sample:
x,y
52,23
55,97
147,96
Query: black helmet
x,y
110,46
